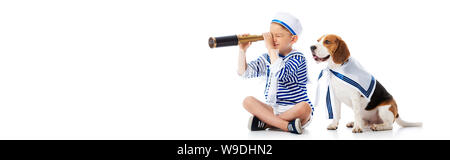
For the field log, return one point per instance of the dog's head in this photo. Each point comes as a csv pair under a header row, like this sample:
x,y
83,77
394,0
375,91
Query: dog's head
x,y
330,46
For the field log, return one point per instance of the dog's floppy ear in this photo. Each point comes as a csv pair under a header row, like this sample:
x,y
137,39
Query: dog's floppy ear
x,y
342,53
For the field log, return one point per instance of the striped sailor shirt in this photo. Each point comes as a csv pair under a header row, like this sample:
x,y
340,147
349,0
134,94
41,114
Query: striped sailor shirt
x,y
290,74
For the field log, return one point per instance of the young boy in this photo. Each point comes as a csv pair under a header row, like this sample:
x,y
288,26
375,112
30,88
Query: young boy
x,y
287,104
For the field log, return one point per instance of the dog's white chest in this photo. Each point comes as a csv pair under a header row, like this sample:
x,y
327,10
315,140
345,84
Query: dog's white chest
x,y
344,93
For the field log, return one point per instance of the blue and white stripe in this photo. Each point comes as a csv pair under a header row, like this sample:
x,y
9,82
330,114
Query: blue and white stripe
x,y
292,77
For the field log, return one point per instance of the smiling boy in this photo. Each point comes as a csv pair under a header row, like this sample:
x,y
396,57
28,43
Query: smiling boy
x,y
287,104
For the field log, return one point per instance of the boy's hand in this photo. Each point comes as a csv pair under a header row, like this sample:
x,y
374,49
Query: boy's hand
x,y
244,46
273,53
269,40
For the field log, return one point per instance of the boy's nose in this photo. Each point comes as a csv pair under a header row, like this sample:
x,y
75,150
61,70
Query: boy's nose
x,y
313,47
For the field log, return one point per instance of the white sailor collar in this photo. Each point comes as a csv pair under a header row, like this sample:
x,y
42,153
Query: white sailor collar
x,y
354,75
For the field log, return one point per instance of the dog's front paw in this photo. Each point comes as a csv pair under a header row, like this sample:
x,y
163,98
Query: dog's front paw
x,y
374,127
357,129
332,126
350,124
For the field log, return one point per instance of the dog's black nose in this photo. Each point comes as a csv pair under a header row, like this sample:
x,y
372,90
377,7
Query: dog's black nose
x,y
313,48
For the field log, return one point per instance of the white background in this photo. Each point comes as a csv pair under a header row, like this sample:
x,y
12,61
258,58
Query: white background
x,y
114,69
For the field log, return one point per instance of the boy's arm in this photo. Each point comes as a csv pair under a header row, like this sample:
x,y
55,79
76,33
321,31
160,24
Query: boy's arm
x,y
253,69
276,63
242,62
294,64
273,53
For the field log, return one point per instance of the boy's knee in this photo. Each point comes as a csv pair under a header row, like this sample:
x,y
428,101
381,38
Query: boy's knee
x,y
248,100
305,108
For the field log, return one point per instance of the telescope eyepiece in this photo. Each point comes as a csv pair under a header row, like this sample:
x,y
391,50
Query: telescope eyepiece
x,y
212,42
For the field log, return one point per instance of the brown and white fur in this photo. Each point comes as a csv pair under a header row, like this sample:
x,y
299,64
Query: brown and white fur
x,y
382,111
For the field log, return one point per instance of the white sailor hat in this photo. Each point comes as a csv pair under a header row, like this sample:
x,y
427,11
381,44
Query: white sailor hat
x,y
289,22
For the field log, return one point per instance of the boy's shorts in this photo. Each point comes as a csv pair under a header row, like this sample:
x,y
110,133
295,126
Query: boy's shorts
x,y
279,109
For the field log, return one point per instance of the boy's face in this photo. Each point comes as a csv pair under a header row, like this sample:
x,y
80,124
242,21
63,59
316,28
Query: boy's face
x,y
282,38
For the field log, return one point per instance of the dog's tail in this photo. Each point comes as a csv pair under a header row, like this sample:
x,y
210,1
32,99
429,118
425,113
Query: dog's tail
x,y
403,123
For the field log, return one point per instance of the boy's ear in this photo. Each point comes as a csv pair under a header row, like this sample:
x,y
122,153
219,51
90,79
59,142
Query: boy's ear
x,y
294,39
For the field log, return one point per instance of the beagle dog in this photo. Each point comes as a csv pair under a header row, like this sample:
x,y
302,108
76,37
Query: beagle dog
x,y
374,107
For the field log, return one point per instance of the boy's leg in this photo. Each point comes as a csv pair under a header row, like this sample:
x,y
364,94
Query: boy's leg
x,y
301,110
264,113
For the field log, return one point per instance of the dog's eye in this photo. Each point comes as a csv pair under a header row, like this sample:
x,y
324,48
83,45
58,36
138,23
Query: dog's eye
x,y
327,42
